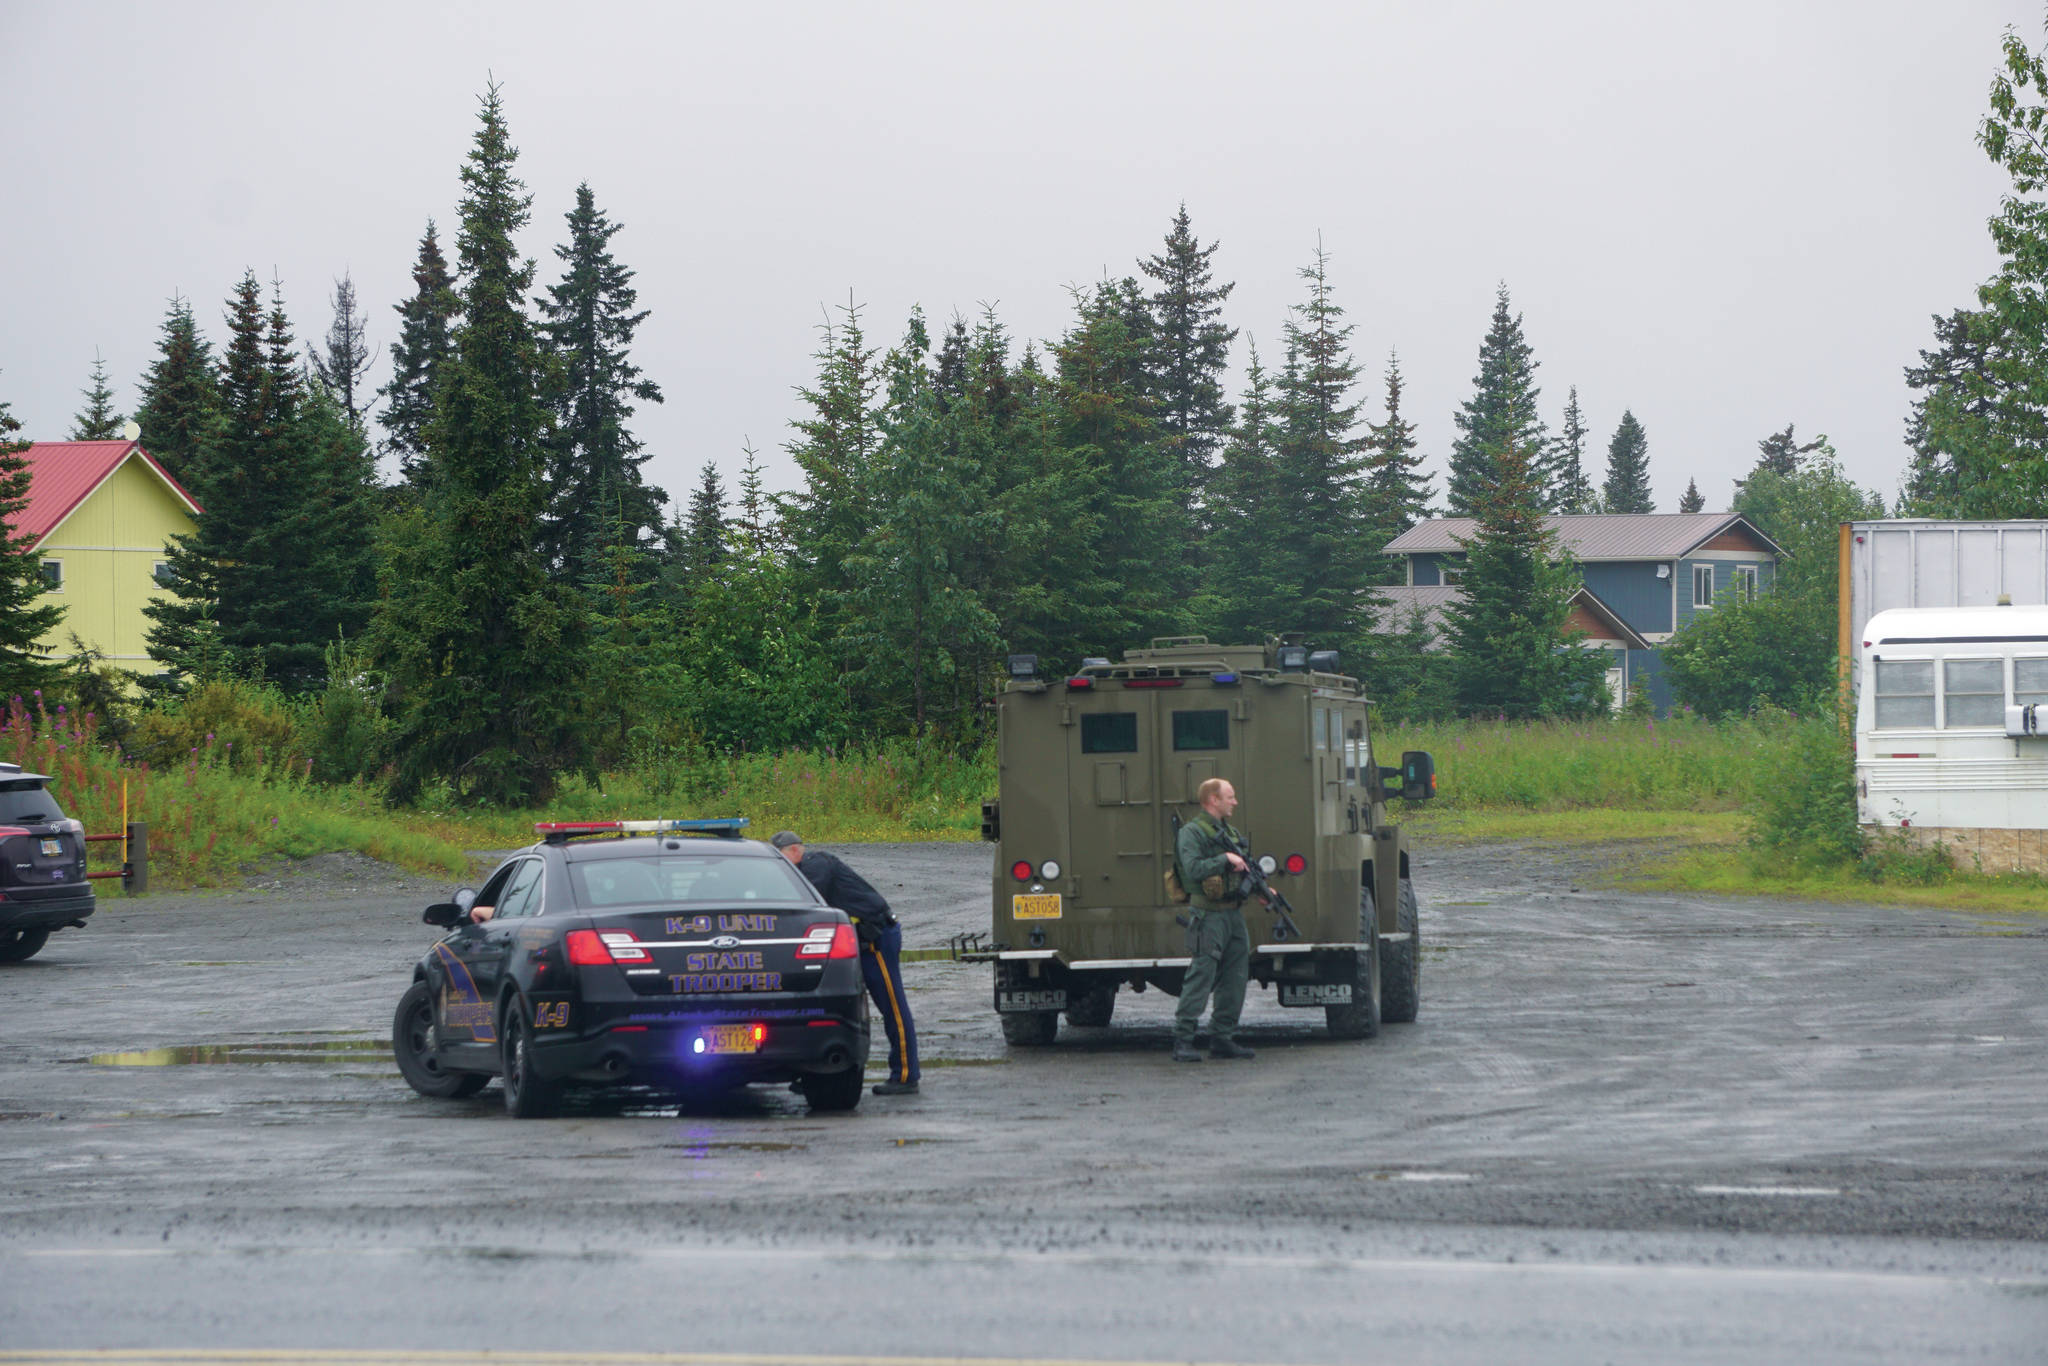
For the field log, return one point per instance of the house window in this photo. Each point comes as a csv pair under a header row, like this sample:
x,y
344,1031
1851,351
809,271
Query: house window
x,y
1973,692
1745,583
53,576
1451,573
161,572
1703,585
1905,694
2030,681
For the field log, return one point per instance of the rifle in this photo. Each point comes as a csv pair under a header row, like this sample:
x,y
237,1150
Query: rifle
x,y
1252,883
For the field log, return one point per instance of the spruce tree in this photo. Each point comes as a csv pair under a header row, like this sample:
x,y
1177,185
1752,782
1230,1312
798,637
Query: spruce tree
x,y
588,322
1955,383
1319,465
1627,488
1397,492
180,396
1692,500
1512,652
344,359
426,340
485,651
1501,411
1566,485
98,420
1248,593
704,533
1190,353
27,616
835,448
754,521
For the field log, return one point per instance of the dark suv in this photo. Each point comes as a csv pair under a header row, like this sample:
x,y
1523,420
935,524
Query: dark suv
x,y
42,866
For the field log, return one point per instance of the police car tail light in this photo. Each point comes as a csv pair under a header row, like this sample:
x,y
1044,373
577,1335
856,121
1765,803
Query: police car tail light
x,y
844,945
596,948
624,947
1296,864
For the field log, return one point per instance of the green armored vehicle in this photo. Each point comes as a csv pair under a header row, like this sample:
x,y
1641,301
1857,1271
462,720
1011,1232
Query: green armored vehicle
x,y
1097,770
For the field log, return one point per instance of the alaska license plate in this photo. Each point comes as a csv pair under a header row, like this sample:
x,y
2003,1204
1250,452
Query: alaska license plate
x,y
52,848
1035,906
732,1039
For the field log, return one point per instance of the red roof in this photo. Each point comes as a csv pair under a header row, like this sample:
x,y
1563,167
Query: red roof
x,y
63,474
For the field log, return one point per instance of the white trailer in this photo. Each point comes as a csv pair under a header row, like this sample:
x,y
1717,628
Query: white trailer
x,y
1913,562
1952,731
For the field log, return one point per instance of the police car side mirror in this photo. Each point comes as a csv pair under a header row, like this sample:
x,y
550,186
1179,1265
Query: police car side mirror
x,y
1418,775
448,914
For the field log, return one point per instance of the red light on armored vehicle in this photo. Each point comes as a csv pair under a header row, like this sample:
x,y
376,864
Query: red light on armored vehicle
x,y
1296,864
1021,870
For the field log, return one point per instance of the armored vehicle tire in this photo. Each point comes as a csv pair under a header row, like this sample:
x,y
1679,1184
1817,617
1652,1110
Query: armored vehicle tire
x,y
19,944
1401,963
1361,1019
527,1094
1031,1029
412,1044
1092,1007
834,1090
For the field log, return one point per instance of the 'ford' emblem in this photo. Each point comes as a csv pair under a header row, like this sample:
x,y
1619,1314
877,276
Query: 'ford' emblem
x,y
726,941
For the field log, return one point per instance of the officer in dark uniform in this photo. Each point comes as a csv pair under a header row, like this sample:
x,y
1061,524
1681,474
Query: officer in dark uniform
x,y
881,941
1210,854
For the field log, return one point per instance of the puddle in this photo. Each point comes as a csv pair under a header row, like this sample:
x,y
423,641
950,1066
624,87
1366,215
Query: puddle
x,y
261,1051
736,1145
920,1142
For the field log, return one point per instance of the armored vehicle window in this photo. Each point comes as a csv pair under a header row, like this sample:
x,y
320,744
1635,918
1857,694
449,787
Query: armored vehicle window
x,y
1110,732
1321,727
1905,694
1201,730
2029,681
1974,692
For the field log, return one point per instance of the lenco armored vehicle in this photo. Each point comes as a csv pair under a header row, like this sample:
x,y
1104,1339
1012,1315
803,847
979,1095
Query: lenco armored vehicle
x,y
1098,769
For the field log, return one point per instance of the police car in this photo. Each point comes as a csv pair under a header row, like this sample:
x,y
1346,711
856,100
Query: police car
x,y
674,954
43,887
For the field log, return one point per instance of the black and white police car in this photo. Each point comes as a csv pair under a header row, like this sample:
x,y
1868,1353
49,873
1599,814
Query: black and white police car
x,y
674,954
43,887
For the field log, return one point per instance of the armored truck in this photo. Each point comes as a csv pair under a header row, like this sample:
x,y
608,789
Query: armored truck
x,y
1098,769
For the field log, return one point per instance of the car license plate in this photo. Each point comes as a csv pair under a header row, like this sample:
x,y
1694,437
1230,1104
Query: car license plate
x,y
1035,905
52,848
731,1039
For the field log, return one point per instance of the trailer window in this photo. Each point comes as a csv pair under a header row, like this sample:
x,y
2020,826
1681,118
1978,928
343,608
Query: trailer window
x,y
1201,730
1110,732
2029,681
1973,692
1905,694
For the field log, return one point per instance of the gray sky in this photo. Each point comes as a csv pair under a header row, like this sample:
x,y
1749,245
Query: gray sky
x,y
1725,217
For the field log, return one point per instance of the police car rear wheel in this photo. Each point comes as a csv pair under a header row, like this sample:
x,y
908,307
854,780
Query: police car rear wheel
x,y
1401,964
833,1090
527,1094
16,945
412,1043
1361,1018
1031,1028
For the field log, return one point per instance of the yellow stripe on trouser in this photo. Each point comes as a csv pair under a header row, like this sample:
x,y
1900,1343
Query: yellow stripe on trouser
x,y
902,1038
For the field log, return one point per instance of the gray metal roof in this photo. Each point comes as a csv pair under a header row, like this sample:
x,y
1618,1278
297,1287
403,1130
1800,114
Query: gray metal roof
x,y
1593,536
1404,600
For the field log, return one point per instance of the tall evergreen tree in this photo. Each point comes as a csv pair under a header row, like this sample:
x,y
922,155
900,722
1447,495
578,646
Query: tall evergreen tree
x,y
98,420
1512,651
703,539
1397,492
486,651
1956,378
1249,592
1781,454
425,343
755,514
1566,485
1692,500
1627,488
180,396
835,448
1320,464
1190,352
594,469
344,359
1501,411
27,616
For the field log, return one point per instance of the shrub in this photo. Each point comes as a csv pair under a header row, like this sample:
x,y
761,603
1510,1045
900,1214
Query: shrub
x,y
1805,813
248,727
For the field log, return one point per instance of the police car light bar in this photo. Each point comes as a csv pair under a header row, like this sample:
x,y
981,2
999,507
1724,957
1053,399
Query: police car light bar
x,y
729,826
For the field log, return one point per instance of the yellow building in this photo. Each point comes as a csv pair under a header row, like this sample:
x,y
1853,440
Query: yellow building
x,y
101,513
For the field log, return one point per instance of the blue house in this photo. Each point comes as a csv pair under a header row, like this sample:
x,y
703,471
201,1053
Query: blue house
x,y
1645,574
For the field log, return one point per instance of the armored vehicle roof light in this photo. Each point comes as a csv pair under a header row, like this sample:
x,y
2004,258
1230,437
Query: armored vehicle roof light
x,y
1291,659
1323,662
1223,678
1078,681
1023,667
1094,662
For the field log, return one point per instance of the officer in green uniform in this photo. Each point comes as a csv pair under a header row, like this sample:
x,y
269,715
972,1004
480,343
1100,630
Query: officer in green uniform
x,y
1211,855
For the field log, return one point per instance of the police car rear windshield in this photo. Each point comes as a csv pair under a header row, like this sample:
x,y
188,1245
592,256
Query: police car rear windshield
x,y
27,803
695,879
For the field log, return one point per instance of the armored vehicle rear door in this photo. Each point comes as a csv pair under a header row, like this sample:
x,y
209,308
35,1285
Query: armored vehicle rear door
x,y
1114,822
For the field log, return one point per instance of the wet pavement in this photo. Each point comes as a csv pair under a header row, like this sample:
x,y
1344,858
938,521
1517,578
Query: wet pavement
x,y
1624,1127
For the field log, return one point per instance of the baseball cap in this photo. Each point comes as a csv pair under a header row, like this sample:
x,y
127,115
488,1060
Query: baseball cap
x,y
784,838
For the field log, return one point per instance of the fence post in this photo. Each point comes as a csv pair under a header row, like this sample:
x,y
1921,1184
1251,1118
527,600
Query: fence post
x,y
135,872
